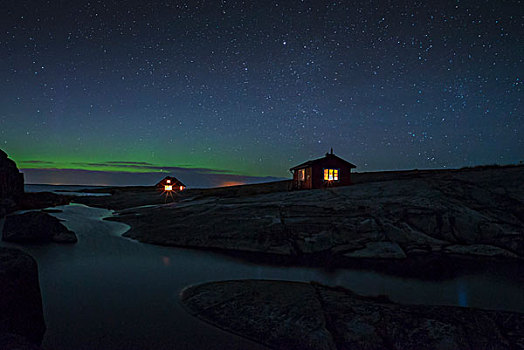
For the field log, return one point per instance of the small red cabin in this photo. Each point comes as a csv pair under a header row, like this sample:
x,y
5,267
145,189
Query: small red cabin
x,y
323,172
170,183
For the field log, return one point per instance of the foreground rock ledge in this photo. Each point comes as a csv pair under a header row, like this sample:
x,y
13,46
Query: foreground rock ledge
x,y
21,314
293,315
469,213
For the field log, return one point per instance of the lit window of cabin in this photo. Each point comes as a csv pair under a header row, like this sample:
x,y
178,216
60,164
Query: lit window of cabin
x,y
330,174
168,181
301,174
168,187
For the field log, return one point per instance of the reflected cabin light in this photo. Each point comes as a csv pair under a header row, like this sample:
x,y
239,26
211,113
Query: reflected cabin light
x,y
168,187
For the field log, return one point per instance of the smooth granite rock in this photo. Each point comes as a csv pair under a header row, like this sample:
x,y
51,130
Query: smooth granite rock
x,y
285,315
471,212
291,315
385,250
36,227
21,313
479,250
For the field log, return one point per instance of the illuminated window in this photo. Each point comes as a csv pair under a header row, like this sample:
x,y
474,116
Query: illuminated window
x,y
168,187
302,174
181,188
168,181
331,174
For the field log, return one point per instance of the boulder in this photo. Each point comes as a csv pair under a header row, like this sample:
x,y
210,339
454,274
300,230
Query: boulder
x,y
36,227
21,313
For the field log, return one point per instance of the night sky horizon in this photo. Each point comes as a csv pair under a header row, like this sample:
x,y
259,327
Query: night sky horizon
x,y
219,92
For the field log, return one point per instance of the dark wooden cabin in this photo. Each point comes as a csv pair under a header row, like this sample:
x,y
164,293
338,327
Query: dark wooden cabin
x,y
170,183
323,172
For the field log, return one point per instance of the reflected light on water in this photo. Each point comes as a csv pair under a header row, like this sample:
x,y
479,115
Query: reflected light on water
x,y
462,294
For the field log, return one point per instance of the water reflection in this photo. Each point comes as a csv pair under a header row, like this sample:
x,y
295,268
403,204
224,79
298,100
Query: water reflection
x,y
462,294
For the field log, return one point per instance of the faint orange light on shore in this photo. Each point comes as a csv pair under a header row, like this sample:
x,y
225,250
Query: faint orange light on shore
x,y
231,183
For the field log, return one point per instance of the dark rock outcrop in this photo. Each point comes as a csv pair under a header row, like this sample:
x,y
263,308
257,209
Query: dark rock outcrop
x,y
466,212
283,315
10,341
11,184
39,200
21,313
293,315
36,227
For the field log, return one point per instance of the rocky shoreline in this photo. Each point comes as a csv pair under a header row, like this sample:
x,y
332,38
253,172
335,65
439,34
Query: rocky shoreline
x,y
474,212
22,325
294,315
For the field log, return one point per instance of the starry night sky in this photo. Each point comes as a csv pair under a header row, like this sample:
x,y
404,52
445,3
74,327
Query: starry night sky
x,y
232,91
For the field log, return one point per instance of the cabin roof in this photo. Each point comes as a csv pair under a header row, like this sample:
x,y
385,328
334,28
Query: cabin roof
x,y
310,163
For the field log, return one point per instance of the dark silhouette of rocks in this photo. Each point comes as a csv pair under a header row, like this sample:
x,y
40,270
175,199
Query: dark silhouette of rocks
x,y
12,196
293,315
11,184
10,341
39,200
36,227
473,212
21,313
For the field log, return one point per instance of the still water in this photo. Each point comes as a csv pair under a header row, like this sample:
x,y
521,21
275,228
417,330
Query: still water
x,y
109,292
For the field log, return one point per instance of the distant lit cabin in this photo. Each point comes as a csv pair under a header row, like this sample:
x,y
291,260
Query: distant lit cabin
x,y
328,171
169,184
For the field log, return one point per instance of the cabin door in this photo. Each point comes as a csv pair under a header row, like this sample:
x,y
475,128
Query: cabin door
x,y
309,178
